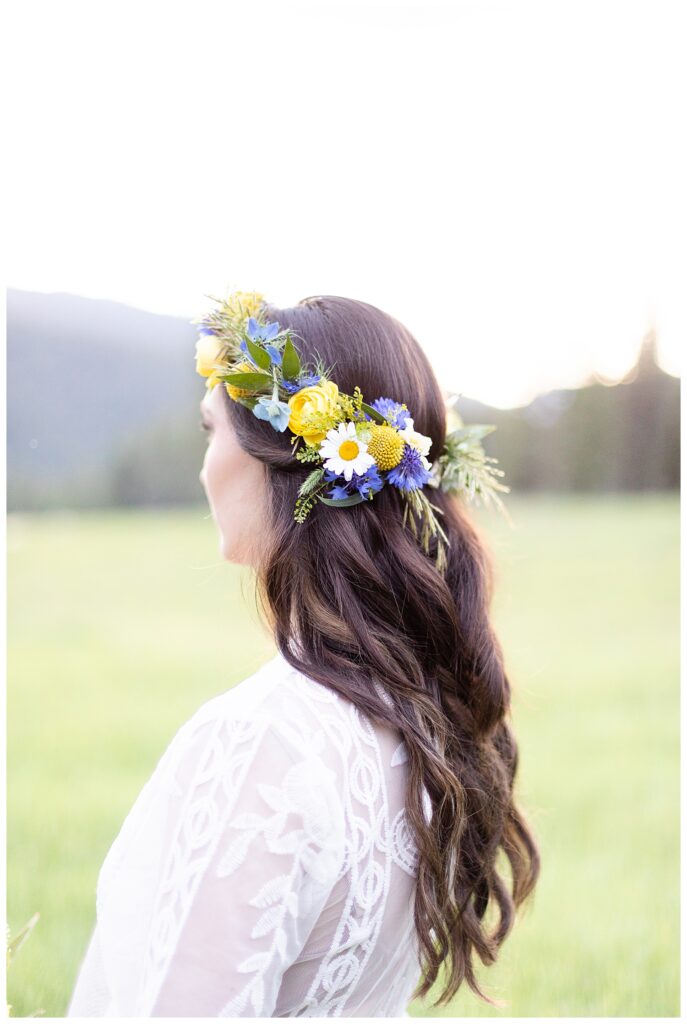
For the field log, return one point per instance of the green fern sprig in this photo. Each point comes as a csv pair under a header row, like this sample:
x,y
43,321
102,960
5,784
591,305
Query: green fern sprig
x,y
464,467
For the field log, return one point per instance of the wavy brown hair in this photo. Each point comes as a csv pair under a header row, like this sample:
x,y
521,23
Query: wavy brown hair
x,y
366,603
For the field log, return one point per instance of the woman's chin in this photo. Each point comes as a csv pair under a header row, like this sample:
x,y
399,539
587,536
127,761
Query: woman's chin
x,y
226,549
231,551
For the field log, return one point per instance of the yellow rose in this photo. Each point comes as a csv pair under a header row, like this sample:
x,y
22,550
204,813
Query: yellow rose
x,y
208,348
320,398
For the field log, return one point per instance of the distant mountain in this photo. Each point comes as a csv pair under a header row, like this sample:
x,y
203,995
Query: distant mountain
x,y
83,377
102,408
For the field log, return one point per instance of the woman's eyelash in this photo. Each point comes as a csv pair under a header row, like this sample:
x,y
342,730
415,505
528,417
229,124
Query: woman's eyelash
x,y
205,426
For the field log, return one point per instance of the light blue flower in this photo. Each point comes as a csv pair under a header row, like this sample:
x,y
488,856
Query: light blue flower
x,y
278,413
275,354
261,332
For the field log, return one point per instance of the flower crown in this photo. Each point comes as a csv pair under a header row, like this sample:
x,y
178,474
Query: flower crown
x,y
356,448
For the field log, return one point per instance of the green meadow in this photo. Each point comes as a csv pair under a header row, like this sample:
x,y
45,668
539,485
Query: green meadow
x,y
121,623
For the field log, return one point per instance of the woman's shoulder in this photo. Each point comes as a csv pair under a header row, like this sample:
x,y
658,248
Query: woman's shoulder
x,y
273,689
276,698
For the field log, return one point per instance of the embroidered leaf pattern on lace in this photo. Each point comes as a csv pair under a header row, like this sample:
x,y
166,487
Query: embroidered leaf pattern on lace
x,y
283,849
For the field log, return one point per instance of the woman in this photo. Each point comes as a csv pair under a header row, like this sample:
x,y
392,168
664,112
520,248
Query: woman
x,y
321,840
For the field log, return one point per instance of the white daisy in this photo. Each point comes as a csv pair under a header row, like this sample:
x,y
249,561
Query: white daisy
x,y
344,452
414,437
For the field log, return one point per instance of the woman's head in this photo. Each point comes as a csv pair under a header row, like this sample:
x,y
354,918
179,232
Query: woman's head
x,y
355,603
249,465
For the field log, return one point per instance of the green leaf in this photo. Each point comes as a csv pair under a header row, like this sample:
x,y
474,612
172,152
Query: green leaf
x,y
372,412
247,380
354,499
260,356
473,430
290,363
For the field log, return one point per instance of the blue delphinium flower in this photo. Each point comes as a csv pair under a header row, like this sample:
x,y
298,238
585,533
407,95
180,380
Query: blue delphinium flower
x,y
391,411
261,332
278,413
275,354
410,473
306,381
363,483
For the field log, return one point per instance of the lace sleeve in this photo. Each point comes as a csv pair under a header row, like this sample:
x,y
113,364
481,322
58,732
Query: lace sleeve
x,y
256,843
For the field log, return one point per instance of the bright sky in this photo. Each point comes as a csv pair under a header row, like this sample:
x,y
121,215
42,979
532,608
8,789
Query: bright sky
x,y
506,178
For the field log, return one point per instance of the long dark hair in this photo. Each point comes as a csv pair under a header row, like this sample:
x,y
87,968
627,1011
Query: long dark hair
x,y
366,603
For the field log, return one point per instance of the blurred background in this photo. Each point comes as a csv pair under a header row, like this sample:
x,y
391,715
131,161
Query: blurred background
x,y
505,179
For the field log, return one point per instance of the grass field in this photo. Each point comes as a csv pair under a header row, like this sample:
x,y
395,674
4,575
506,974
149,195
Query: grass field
x,y
120,624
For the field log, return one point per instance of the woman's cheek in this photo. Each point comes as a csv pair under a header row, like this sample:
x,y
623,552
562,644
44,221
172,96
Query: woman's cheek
x,y
229,499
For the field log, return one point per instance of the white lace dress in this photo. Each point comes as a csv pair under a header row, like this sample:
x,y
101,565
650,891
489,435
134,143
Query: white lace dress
x,y
265,869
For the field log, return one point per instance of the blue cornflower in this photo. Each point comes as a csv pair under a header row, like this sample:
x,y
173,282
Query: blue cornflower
x,y
369,481
363,483
338,492
411,472
278,413
306,381
205,330
391,411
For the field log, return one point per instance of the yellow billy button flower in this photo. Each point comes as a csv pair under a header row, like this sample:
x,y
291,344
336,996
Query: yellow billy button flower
x,y
243,304
319,399
385,446
232,390
208,348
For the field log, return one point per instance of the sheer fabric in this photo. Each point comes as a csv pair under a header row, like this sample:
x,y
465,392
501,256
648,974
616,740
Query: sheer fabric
x,y
265,869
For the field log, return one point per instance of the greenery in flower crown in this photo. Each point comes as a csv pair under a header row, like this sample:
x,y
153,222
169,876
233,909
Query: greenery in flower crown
x,y
464,468
355,448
